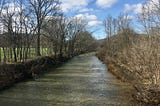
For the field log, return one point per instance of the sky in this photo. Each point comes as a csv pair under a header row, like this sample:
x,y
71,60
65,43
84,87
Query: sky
x,y
95,11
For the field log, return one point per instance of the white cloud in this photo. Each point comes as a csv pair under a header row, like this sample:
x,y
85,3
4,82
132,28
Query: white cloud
x,y
136,8
86,10
70,5
91,19
86,16
139,8
105,3
94,23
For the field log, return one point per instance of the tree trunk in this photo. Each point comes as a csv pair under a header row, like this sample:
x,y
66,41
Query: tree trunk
x,y
0,55
15,55
4,54
61,48
38,43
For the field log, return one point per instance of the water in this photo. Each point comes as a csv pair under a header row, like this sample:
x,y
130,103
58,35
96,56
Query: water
x,y
83,81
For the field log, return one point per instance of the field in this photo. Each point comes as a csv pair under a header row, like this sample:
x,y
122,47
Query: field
x,y
8,53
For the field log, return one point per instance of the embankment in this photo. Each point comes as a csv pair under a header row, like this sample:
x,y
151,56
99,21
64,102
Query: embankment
x,y
12,73
144,94
119,71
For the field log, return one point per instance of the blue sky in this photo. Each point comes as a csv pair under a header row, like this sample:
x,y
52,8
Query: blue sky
x,y
95,11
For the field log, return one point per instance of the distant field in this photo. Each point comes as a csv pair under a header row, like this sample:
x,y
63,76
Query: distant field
x,y
32,52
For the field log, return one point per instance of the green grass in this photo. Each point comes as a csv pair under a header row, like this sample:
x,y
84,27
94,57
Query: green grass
x,y
43,51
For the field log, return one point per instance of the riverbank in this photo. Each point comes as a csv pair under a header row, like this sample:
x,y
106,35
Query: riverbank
x,y
144,93
13,73
118,70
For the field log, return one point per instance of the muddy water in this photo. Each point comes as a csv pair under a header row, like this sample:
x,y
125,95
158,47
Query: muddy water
x,y
83,81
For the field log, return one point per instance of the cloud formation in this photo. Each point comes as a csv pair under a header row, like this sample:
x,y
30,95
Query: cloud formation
x,y
70,5
94,23
91,19
81,5
86,10
136,8
106,3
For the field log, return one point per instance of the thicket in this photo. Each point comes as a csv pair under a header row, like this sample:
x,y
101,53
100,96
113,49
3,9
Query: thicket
x,y
137,56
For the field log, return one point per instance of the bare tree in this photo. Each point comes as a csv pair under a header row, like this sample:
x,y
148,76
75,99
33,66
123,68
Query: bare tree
x,y
117,30
41,9
54,30
110,25
75,26
150,20
7,20
25,21
85,42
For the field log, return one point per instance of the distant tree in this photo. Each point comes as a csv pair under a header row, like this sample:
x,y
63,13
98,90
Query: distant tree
x,y
85,42
55,31
120,26
75,26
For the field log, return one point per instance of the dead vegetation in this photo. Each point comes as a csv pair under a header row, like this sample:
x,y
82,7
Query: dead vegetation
x,y
137,62
135,57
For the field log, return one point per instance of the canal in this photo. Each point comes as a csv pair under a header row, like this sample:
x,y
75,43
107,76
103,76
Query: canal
x,y
82,81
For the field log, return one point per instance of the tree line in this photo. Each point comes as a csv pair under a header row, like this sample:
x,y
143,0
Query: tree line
x,y
30,28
